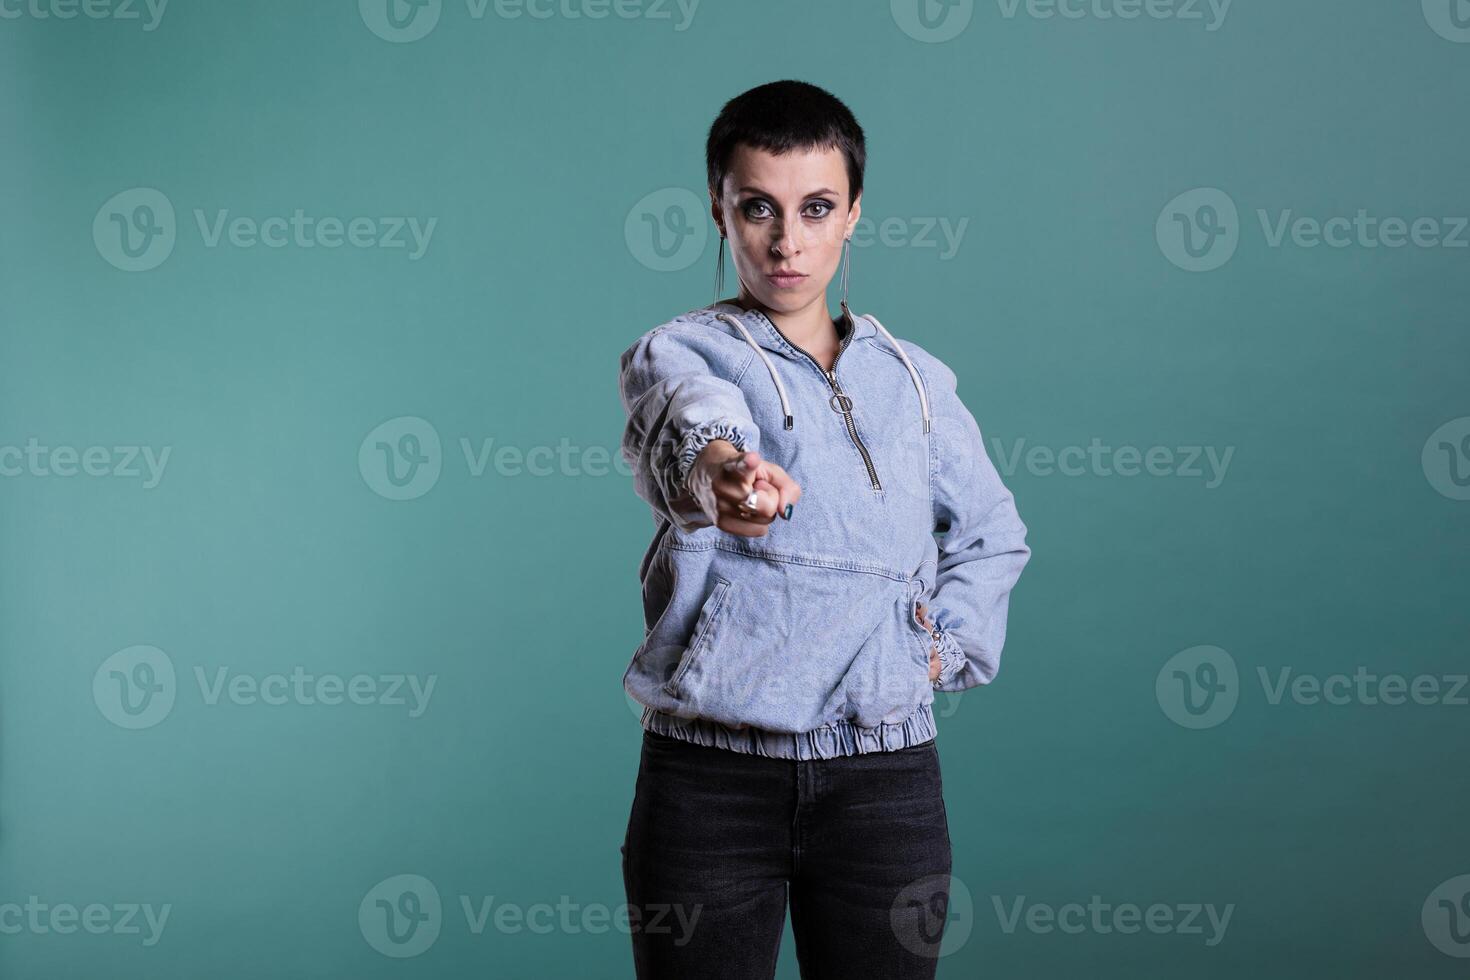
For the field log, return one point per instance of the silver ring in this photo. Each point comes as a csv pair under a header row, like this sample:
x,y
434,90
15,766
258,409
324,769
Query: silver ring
x,y
751,502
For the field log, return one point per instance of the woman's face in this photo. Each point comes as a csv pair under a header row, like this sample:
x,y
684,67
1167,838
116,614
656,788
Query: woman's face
x,y
796,202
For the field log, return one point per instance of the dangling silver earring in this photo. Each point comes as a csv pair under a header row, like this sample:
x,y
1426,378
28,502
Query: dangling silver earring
x,y
845,251
719,271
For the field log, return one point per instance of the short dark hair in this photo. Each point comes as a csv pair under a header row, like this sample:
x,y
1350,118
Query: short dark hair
x,y
782,116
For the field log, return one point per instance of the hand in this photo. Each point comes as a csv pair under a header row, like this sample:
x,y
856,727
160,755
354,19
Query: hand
x,y
922,616
722,477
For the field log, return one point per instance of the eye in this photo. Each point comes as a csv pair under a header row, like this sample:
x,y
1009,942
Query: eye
x,y
826,208
751,207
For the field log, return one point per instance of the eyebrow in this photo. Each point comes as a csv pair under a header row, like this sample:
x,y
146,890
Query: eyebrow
x,y
821,190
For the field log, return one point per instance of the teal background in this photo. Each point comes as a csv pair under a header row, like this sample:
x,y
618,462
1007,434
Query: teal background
x,y
264,547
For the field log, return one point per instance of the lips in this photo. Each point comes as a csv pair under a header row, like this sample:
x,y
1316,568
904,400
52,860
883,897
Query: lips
x,y
784,278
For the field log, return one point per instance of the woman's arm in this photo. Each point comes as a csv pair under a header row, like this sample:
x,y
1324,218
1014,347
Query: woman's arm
x,y
676,407
983,547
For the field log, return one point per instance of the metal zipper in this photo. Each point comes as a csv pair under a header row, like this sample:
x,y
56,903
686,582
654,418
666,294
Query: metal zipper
x,y
846,409
840,400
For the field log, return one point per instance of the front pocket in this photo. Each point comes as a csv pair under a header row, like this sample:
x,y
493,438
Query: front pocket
x,y
889,679
790,646
926,639
708,611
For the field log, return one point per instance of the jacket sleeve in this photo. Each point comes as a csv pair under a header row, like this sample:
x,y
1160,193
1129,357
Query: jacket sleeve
x,y
675,406
982,549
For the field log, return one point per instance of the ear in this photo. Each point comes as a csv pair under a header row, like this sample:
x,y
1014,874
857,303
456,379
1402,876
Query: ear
x,y
853,214
716,211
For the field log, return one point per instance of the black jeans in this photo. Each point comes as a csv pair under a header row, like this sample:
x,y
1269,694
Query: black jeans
x,y
716,838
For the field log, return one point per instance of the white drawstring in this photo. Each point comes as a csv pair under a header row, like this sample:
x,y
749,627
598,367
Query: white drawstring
x,y
914,374
781,389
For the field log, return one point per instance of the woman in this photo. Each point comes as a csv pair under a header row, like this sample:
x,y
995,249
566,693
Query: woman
x,y
800,612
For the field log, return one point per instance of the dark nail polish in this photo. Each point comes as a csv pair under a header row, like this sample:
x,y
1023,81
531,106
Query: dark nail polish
x,y
787,513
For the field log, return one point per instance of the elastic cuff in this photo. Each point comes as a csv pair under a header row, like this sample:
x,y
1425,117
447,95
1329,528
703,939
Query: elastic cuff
x,y
700,436
951,658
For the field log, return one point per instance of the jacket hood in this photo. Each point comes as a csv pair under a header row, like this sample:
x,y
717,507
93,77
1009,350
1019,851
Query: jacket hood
x,y
761,334
769,336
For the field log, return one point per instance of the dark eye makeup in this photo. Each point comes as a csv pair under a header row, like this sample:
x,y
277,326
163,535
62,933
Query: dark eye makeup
x,y
752,208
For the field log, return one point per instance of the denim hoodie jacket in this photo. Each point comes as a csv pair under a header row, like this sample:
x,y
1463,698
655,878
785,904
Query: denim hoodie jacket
x,y
804,643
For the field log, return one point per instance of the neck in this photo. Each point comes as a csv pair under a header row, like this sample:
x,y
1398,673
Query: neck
x,y
811,327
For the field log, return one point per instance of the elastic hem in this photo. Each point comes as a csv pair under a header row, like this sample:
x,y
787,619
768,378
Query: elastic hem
x,y
830,741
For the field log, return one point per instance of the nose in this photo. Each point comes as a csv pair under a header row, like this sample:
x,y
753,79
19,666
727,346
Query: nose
x,y
785,245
